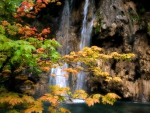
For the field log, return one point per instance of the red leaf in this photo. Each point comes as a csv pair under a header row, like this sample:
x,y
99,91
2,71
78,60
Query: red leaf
x,y
39,1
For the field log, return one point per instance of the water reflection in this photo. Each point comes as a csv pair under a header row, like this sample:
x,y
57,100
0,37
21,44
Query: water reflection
x,y
118,107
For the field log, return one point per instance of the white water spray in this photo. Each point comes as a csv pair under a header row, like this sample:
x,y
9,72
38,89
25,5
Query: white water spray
x,y
85,41
62,38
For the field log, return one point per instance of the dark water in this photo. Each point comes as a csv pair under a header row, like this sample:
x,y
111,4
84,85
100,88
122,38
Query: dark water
x,y
118,107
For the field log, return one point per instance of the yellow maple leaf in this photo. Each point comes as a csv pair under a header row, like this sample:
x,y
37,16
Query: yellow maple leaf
x,y
96,98
28,99
36,107
117,79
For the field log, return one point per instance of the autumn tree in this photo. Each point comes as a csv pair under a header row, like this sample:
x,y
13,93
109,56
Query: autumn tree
x,y
23,50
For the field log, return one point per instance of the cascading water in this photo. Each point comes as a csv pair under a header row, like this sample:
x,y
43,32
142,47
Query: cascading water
x,y
62,38
85,41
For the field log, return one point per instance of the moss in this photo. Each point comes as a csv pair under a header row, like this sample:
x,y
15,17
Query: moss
x,y
99,24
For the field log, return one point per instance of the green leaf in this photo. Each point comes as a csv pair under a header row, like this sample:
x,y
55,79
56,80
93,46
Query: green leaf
x,y
2,30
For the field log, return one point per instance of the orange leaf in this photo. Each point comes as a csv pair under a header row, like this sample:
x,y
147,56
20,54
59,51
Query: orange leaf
x,y
89,101
43,6
45,69
52,75
41,38
58,3
40,50
66,75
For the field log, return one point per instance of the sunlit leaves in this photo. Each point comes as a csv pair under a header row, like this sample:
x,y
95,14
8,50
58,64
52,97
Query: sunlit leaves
x,y
108,79
28,99
46,31
36,107
30,9
115,55
90,57
81,94
56,90
28,49
53,99
10,98
70,70
64,110
110,98
90,101
117,79
47,69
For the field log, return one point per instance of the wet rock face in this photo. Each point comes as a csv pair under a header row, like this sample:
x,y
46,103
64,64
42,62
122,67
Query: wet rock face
x,y
119,26
42,85
123,28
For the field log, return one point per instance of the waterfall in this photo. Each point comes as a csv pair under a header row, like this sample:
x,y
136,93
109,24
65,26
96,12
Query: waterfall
x,y
85,40
63,33
59,79
62,37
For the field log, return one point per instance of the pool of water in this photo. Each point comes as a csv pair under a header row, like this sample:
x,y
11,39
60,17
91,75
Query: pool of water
x,y
118,107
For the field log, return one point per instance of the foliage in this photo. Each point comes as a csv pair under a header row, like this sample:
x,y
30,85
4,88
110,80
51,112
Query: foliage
x,y
99,24
90,57
59,94
9,100
24,48
7,8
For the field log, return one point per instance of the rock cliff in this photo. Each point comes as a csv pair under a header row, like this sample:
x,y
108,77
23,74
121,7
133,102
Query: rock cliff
x,y
122,26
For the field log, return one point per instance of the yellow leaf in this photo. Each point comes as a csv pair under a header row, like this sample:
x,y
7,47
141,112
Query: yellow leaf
x,y
117,79
96,98
36,107
28,99
108,79
58,3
